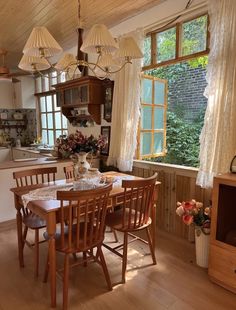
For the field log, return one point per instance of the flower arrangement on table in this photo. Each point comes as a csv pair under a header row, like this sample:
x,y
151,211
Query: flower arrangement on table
x,y
77,142
194,212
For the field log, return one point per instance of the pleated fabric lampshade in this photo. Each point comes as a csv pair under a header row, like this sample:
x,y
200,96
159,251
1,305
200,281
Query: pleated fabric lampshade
x,y
27,62
66,61
128,48
41,39
99,37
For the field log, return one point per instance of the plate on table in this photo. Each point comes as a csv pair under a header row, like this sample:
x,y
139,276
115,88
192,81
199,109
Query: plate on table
x,y
26,159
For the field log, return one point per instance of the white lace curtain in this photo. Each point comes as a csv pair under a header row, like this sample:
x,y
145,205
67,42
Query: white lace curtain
x,y
218,137
125,113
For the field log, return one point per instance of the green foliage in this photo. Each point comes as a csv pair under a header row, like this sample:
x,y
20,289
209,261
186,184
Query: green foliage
x,y
198,62
183,140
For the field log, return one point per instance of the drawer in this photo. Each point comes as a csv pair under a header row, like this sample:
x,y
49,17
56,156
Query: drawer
x,y
222,266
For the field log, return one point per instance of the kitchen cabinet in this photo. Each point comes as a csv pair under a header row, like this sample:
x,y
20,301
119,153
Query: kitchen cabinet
x,y
222,256
81,99
5,154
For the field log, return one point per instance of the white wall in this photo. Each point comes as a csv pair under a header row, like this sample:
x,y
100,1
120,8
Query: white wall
x,y
24,93
6,95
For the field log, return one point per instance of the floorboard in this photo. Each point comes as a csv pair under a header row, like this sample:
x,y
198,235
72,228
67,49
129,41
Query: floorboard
x,y
175,283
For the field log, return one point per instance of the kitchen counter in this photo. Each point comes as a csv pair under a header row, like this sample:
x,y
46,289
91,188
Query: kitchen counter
x,y
31,162
32,151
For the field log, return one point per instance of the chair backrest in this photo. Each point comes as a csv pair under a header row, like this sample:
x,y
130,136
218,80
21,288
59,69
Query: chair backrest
x,y
84,214
138,201
34,176
69,172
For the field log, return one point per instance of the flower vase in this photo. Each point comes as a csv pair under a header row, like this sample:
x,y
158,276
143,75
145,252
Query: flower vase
x,y
81,165
202,238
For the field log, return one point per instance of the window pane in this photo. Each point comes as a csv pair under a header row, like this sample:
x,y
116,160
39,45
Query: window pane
x,y
43,120
50,137
49,103
146,142
42,104
194,36
147,91
58,120
46,83
158,118
44,136
54,78
64,121
159,92
56,108
146,117
50,121
147,51
166,45
158,142
58,133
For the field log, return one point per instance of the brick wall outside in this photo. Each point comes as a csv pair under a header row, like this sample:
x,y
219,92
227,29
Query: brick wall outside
x,y
185,93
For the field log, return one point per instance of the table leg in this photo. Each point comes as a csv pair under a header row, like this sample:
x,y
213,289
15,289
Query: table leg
x,y
51,229
19,233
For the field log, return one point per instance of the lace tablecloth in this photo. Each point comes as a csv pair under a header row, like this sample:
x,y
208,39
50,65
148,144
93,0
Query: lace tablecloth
x,y
50,192
45,193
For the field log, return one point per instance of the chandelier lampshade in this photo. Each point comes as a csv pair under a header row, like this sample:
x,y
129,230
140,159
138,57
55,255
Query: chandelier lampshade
x,y
66,61
128,48
99,39
41,43
29,63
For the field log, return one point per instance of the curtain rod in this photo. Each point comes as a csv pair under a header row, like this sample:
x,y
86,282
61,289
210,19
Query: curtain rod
x,y
152,27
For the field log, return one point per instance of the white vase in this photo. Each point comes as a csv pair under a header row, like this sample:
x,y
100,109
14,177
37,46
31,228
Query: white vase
x,y
202,238
81,165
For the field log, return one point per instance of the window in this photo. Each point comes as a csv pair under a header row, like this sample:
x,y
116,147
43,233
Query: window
x,y
177,57
183,41
52,123
153,117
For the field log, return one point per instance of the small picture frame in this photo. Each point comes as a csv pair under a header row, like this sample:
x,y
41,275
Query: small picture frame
x,y
105,131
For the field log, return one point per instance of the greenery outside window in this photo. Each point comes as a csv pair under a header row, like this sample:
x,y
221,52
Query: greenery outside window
x,y
183,41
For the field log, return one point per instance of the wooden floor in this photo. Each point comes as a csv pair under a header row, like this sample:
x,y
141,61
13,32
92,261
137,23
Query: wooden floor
x,y
175,283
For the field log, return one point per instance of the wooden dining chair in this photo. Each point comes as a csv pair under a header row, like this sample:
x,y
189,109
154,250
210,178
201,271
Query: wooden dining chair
x,y
84,213
133,216
29,219
70,174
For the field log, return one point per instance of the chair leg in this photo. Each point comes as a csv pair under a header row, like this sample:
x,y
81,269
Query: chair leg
x,y
65,282
151,246
45,278
104,267
36,253
24,235
85,258
115,235
124,260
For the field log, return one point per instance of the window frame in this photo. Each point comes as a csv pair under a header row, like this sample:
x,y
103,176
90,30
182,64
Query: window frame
x,y
153,105
178,57
40,93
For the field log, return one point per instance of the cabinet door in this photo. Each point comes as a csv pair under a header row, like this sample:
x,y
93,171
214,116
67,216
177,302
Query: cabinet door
x,y
84,94
60,98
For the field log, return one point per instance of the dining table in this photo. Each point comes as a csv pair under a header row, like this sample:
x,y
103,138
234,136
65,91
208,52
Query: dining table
x,y
47,209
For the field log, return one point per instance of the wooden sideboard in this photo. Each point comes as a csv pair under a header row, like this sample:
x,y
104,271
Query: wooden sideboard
x,y
222,257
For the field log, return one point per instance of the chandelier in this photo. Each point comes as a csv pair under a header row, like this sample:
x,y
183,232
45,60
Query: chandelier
x,y
111,55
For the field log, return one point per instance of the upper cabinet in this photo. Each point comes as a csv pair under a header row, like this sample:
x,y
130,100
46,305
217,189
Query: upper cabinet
x,y
81,99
